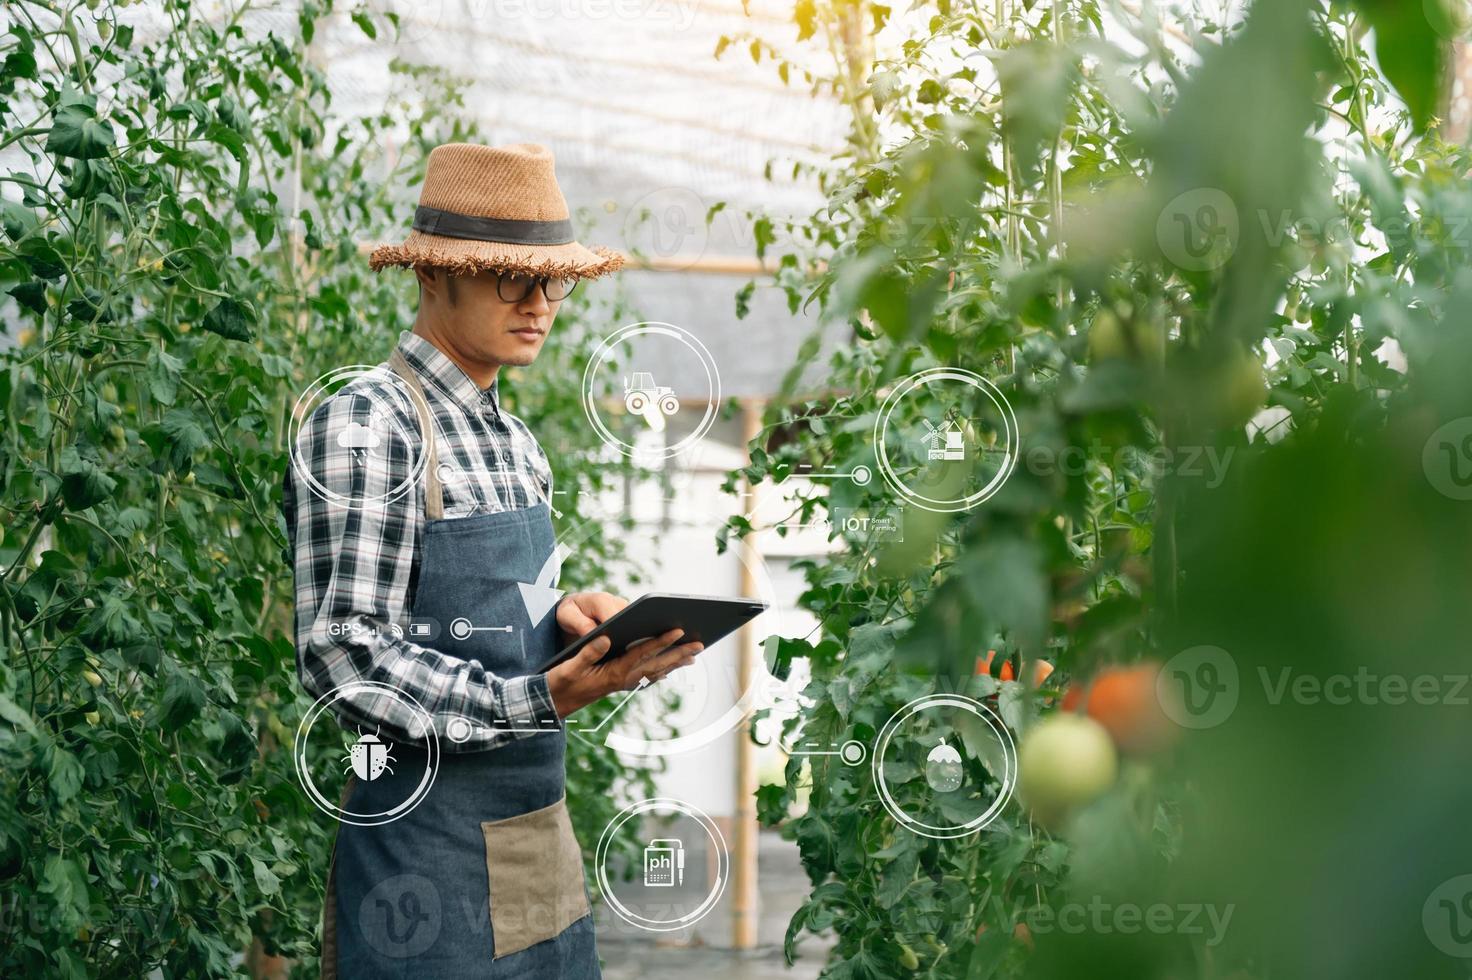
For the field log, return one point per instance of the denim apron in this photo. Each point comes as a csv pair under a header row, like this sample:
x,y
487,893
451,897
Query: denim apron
x,y
483,878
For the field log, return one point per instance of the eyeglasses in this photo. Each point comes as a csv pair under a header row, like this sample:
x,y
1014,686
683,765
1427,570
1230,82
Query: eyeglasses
x,y
516,288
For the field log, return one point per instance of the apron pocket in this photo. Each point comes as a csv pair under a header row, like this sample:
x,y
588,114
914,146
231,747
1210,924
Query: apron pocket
x,y
536,875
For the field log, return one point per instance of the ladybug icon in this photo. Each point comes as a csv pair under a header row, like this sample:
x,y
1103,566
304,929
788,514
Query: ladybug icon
x,y
369,757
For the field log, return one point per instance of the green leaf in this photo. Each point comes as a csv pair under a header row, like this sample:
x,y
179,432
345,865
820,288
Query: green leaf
x,y
179,435
1037,79
16,715
64,881
266,879
230,319
76,133
164,370
83,482
64,774
1411,53
365,23
182,701
17,219
31,296
21,61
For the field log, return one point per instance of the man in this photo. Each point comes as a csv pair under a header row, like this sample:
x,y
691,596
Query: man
x,y
414,498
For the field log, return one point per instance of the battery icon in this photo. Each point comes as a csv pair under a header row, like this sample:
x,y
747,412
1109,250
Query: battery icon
x,y
664,863
419,629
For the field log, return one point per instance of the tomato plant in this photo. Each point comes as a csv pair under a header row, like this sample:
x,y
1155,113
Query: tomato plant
x,y
180,260
1215,265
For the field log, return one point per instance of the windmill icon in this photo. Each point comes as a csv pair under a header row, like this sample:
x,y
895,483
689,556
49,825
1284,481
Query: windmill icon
x,y
944,441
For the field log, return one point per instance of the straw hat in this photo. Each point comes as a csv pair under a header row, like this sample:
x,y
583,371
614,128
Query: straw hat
x,y
484,207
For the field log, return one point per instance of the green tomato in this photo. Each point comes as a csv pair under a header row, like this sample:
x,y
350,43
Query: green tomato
x,y
1106,337
1063,763
1240,390
1110,338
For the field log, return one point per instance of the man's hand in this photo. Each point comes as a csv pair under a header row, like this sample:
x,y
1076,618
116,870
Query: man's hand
x,y
581,612
580,681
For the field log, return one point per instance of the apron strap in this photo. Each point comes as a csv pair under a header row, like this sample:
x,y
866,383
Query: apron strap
x,y
434,500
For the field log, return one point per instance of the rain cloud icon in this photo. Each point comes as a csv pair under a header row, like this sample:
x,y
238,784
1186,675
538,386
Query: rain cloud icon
x,y
358,438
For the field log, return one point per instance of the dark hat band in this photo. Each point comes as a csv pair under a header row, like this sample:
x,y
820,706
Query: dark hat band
x,y
433,221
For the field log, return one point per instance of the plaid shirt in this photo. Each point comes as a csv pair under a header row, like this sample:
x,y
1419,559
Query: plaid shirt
x,y
357,565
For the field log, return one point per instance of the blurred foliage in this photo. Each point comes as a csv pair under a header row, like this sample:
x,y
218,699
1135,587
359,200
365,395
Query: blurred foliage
x,y
181,224
1165,237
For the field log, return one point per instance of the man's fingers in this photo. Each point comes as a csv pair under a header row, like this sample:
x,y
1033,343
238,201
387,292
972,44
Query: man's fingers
x,y
669,660
573,620
684,662
604,605
648,648
593,651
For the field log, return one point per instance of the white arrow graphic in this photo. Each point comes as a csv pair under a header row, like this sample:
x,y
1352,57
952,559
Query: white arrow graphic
x,y
542,595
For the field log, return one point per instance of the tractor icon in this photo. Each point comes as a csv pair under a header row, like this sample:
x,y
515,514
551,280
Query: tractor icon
x,y
643,397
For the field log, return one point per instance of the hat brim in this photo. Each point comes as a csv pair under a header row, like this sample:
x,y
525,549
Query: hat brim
x,y
463,256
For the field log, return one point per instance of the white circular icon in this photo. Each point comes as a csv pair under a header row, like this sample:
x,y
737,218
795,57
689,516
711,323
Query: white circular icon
x,y
963,445
925,737
370,755
459,730
357,444
669,877
644,392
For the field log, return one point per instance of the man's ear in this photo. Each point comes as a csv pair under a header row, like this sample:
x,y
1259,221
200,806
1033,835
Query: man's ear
x,y
429,279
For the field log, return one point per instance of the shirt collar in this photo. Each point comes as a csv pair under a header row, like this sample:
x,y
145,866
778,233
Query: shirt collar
x,y
432,363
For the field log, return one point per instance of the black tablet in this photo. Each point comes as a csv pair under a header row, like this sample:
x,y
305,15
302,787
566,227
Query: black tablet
x,y
705,619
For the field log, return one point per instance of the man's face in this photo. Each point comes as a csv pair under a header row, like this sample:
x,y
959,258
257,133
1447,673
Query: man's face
x,y
485,328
